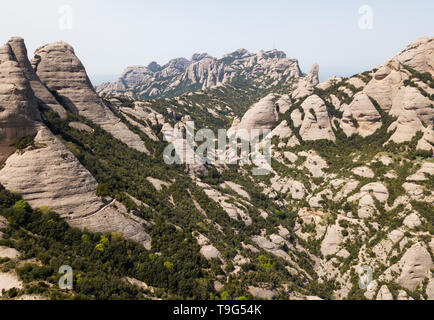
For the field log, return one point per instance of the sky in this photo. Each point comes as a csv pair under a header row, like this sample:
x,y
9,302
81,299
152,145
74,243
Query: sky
x,y
345,37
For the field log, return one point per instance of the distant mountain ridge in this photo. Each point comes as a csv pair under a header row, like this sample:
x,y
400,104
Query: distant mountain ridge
x,y
202,72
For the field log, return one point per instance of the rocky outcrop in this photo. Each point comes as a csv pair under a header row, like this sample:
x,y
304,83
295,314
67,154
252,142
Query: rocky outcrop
x,y
284,133
203,72
413,268
384,294
328,83
306,85
385,84
364,172
49,175
19,115
316,123
62,72
332,241
419,55
263,293
414,112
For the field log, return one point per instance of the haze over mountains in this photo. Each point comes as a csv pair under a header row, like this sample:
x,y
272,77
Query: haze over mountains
x,y
351,183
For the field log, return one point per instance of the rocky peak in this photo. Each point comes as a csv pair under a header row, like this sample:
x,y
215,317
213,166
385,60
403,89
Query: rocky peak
x,y
205,72
272,54
62,72
154,66
19,115
419,55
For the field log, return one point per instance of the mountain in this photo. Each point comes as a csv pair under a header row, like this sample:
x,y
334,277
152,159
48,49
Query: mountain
x,y
84,183
47,173
203,72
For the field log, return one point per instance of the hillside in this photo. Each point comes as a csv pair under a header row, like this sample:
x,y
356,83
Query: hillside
x,y
351,181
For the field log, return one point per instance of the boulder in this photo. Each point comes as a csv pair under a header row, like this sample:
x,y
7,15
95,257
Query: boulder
x,y
210,252
364,172
430,289
419,55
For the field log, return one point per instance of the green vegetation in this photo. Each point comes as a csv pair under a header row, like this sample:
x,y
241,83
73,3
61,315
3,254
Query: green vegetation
x,y
24,143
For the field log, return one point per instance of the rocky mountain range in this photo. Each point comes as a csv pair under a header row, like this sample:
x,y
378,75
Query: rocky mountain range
x,y
203,72
350,188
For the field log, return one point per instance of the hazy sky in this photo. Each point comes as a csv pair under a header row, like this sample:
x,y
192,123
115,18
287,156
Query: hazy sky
x,y
109,35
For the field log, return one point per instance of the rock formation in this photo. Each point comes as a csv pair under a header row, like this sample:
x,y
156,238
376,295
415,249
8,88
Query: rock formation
x,y
49,175
361,117
62,72
19,115
262,115
316,123
202,72
306,85
43,96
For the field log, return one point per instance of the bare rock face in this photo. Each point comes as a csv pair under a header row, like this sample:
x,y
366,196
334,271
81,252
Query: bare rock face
x,y
19,115
262,115
328,83
430,290
332,241
364,172
49,175
427,141
384,294
385,84
415,266
43,96
263,293
361,117
412,221
316,124
306,85
419,55
203,72
61,71
283,131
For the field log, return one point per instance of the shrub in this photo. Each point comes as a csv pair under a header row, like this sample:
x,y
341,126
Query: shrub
x,y
24,143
